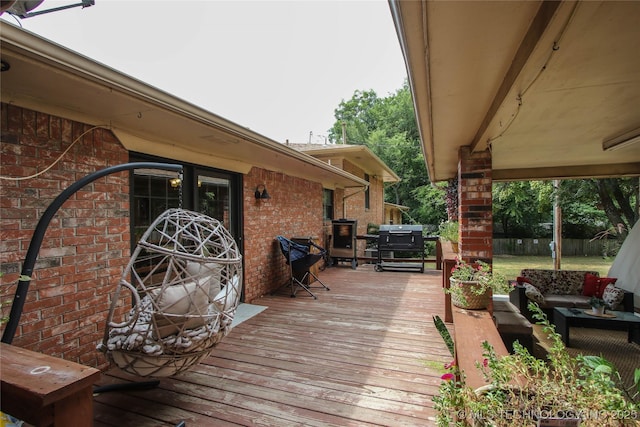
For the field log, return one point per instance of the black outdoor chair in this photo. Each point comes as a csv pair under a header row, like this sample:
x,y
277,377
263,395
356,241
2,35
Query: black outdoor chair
x,y
300,259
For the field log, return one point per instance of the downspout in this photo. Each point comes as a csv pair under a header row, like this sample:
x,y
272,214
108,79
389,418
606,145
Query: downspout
x,y
344,205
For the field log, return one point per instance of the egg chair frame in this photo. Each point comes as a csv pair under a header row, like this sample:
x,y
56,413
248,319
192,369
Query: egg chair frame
x,y
184,279
200,249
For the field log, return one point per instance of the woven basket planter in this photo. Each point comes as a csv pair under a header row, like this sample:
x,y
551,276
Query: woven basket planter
x,y
466,298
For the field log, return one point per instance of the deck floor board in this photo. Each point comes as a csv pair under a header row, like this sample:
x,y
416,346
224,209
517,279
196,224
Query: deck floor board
x,y
357,356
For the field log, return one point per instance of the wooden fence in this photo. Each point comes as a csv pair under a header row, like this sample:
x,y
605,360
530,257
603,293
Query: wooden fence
x,y
540,247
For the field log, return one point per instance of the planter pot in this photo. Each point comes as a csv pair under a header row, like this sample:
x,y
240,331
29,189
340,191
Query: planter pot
x,y
466,298
598,311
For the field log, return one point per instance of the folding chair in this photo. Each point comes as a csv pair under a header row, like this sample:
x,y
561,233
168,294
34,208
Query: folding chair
x,y
300,260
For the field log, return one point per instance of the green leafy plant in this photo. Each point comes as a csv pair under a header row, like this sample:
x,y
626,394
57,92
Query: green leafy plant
x,y
596,302
444,333
448,231
482,275
522,389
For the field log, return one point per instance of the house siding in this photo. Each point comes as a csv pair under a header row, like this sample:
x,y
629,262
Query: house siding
x,y
87,244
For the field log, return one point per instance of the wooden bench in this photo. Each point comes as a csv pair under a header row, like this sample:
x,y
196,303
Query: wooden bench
x,y
46,391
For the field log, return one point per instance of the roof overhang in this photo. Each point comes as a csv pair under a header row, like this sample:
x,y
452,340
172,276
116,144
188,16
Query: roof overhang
x,y
542,84
359,155
47,77
401,208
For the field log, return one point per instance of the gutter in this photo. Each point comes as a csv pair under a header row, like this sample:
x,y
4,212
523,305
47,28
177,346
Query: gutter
x,y
60,58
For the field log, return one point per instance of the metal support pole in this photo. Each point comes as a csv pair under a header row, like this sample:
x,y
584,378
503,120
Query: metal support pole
x,y
41,228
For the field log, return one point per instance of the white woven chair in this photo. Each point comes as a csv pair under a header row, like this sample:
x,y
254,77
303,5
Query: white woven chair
x,y
184,281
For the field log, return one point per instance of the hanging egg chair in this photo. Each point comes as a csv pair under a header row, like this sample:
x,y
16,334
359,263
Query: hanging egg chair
x,y
176,298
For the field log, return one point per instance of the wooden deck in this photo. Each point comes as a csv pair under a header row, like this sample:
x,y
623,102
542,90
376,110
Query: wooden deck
x,y
356,356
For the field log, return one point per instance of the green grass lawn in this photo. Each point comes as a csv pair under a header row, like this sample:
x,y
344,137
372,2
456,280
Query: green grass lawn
x,y
510,265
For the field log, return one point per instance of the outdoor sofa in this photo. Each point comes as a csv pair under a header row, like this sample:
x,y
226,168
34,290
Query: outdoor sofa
x,y
566,288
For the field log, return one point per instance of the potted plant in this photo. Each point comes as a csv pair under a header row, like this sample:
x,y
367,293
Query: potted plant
x,y
522,390
448,232
598,305
472,285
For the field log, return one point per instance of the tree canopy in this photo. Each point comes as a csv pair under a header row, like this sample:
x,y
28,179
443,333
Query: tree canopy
x,y
387,127
520,209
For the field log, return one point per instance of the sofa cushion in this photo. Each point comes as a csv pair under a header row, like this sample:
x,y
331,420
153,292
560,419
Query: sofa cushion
x,y
563,282
541,279
613,296
512,323
500,305
569,301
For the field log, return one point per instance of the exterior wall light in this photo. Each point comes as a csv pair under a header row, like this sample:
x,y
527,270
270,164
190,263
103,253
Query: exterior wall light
x,y
261,192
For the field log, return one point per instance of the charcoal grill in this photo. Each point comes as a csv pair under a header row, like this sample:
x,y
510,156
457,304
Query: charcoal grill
x,y
400,238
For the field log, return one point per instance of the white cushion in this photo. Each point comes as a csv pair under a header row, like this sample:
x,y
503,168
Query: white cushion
x,y
180,302
212,270
227,298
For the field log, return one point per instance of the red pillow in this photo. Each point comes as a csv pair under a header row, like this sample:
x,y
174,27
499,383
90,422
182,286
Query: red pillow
x,y
591,285
521,279
594,286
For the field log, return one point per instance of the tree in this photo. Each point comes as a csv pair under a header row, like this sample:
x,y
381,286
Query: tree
x,y
613,200
589,206
521,208
388,127
357,116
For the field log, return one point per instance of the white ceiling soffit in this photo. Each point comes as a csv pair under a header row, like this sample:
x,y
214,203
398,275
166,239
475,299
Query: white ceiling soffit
x,y
47,77
542,84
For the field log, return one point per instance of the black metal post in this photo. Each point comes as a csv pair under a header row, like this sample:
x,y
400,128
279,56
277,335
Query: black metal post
x,y
38,236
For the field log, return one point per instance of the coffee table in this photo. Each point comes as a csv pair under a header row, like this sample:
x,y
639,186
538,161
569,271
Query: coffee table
x,y
564,318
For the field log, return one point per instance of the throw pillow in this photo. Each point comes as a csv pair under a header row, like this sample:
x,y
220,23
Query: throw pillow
x,y
533,293
594,286
181,306
613,296
591,286
212,270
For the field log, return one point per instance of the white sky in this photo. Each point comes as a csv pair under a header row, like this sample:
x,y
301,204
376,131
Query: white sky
x,y
279,68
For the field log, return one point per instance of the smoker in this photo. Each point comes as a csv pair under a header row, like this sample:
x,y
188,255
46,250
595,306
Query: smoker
x,y
401,238
343,241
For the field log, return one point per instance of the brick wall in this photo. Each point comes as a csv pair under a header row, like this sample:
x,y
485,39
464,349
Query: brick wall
x,y
475,205
86,245
355,204
294,209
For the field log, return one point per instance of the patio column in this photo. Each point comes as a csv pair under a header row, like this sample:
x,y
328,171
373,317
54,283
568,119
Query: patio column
x,y
475,205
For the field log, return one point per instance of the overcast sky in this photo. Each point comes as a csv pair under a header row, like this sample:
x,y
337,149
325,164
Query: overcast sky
x,y
279,68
